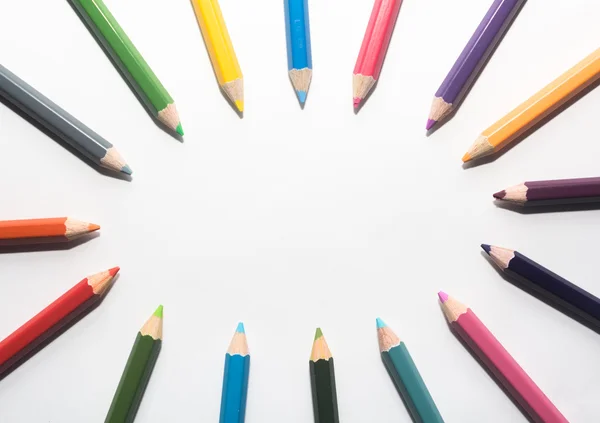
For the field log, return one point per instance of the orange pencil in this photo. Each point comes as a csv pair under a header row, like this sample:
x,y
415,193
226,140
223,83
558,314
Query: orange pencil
x,y
532,111
35,231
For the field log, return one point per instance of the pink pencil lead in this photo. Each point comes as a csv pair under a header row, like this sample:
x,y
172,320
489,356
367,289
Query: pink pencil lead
x,y
443,296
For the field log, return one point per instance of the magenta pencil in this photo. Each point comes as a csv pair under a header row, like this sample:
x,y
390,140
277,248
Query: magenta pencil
x,y
493,355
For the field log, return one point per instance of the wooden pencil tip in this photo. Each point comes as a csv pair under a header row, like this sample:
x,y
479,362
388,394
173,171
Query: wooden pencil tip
x,y
114,271
93,227
500,195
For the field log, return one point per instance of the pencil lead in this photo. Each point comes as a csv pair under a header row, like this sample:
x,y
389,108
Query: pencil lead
x,y
430,124
301,96
500,195
443,297
240,105
93,227
487,248
159,312
179,130
466,157
114,271
356,102
380,323
318,334
126,170
240,328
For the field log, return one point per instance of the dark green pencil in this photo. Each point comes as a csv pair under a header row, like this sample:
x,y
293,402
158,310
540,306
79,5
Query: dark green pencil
x,y
322,378
137,371
406,377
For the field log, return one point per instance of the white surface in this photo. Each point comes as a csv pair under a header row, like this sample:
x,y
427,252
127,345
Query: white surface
x,y
293,219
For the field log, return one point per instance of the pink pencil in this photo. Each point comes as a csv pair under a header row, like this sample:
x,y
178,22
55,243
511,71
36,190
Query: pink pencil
x,y
373,48
499,362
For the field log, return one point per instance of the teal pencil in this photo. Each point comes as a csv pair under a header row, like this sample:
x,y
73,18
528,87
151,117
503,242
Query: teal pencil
x,y
406,377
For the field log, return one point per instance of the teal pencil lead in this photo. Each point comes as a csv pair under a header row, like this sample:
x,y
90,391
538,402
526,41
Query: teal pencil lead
x,y
380,323
240,328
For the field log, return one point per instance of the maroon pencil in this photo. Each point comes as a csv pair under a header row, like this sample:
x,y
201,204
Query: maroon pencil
x,y
559,191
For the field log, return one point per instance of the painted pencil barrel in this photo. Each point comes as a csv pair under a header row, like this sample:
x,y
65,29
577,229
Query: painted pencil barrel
x,y
134,379
565,188
52,117
235,388
322,376
133,66
297,34
407,379
482,42
514,379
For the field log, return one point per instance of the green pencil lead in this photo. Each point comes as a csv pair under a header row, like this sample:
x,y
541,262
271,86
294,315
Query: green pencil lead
x,y
159,312
179,130
318,334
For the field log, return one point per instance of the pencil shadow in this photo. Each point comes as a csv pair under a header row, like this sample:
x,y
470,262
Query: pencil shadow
x,y
488,371
10,246
124,74
550,208
531,130
545,297
62,143
477,73
401,395
45,339
231,103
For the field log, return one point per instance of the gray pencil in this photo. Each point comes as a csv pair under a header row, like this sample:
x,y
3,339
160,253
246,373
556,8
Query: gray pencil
x,y
52,117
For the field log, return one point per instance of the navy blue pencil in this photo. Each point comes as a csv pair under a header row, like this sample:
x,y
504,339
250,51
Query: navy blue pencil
x,y
297,31
547,284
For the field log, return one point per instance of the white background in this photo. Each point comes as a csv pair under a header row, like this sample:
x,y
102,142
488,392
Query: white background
x,y
289,219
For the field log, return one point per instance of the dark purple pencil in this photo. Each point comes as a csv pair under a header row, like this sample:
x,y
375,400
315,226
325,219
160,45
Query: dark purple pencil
x,y
559,191
470,62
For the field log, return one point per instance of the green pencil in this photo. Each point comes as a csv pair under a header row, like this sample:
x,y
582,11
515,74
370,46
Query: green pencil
x,y
138,369
406,377
131,63
322,378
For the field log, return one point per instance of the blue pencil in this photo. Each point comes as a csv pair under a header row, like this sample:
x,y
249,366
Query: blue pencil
x,y
297,31
235,379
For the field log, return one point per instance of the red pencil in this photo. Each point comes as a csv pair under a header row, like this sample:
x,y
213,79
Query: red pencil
x,y
373,48
82,297
500,362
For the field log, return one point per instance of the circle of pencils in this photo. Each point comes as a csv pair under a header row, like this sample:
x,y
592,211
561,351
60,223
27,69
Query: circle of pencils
x,y
33,231
299,58
220,49
469,64
565,295
553,192
499,362
59,122
322,379
117,44
406,377
373,49
77,301
536,108
138,370
235,379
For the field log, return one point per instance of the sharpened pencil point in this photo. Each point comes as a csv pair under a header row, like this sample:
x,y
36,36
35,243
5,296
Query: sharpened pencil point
x,y
159,312
356,102
114,271
93,227
500,195
240,328
318,334
466,158
380,323
443,296
126,170
240,105
487,248
179,129
430,124
301,96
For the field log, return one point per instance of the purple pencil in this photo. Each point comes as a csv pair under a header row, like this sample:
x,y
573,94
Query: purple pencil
x,y
559,191
470,62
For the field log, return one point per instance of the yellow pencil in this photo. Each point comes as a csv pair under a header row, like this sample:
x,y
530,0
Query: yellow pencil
x,y
220,50
532,111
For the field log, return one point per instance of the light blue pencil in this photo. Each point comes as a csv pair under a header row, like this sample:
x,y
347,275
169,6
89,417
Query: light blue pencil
x,y
235,379
297,31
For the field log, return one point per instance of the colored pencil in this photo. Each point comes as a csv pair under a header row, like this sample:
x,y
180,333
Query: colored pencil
x,y
132,65
72,304
220,49
553,192
406,377
374,47
499,362
549,285
297,29
536,108
469,64
322,379
138,370
58,229
235,379
59,122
